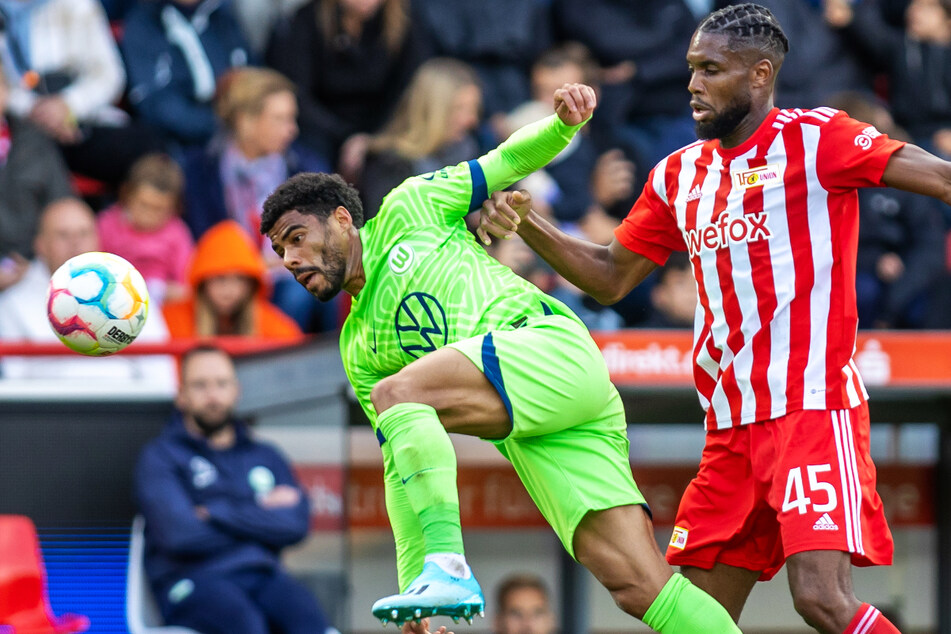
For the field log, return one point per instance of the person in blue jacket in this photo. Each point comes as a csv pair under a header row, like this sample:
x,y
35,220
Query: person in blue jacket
x,y
175,52
219,506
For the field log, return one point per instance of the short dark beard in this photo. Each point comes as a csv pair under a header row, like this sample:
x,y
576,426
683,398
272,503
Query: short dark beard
x,y
211,428
723,123
334,271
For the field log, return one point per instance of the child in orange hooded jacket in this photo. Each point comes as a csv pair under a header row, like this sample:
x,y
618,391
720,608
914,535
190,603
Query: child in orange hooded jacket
x,y
228,279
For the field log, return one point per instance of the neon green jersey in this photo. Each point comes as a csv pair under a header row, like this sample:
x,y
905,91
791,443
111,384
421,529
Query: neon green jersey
x,y
428,282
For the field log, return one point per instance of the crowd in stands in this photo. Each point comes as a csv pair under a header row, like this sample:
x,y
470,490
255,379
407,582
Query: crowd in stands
x,y
174,119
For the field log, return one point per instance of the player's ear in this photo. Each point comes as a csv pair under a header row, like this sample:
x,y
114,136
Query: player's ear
x,y
342,214
761,74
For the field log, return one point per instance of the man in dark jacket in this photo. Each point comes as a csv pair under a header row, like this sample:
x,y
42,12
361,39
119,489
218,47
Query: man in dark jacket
x,y
219,507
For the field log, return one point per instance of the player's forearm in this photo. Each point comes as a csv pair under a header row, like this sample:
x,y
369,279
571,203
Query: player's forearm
x,y
916,170
528,149
588,266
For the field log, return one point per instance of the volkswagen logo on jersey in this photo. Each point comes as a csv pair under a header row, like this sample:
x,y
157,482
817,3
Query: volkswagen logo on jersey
x,y
421,324
203,472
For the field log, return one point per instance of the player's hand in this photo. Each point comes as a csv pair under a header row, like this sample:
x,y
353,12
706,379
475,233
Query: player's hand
x,y
574,103
501,214
422,627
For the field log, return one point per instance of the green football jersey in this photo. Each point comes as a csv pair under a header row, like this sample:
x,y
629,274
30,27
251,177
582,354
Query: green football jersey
x,y
428,282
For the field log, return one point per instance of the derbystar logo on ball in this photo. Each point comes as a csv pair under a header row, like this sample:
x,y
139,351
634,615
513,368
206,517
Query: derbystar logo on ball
x,y
97,303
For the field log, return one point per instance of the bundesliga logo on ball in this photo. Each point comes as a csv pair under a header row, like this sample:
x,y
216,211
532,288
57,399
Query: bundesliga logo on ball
x,y
97,303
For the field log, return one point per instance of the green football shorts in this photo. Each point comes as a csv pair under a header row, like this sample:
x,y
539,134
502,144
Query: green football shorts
x,y
569,440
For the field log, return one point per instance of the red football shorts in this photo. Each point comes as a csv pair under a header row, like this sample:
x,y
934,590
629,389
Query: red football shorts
x,y
772,489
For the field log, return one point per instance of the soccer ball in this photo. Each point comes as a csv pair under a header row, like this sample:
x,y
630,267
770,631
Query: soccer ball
x,y
97,303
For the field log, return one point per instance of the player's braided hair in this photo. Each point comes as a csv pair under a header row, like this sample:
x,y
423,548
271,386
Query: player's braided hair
x,y
748,25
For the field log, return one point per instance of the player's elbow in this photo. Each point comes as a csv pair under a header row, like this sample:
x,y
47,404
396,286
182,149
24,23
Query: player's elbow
x,y
612,290
608,296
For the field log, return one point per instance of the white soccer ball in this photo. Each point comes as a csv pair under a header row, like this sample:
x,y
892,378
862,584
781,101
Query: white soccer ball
x,y
97,303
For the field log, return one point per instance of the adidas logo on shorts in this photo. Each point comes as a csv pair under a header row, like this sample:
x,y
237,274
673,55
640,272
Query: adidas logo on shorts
x,y
825,523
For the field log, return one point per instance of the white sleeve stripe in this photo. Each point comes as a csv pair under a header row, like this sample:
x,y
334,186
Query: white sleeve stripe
x,y
659,182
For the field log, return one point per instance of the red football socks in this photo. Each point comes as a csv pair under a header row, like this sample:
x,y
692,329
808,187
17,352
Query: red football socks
x,y
868,620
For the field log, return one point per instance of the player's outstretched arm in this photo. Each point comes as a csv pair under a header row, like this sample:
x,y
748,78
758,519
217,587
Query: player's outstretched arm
x,y
607,273
916,170
533,146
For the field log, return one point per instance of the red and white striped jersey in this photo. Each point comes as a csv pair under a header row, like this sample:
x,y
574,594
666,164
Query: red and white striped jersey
x,y
771,227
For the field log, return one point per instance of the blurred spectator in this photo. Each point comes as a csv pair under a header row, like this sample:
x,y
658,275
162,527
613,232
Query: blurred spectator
x,y
917,62
801,84
67,228
518,256
350,60
228,291
640,46
257,19
499,38
901,240
32,175
900,258
582,182
175,51
673,295
219,506
432,127
144,226
255,152
939,311
64,72
116,10
523,606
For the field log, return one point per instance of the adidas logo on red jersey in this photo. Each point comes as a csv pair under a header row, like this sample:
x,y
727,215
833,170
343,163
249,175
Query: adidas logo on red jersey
x,y
726,229
825,523
694,194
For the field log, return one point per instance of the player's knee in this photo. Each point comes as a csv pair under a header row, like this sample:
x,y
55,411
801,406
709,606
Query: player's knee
x,y
632,598
390,391
631,592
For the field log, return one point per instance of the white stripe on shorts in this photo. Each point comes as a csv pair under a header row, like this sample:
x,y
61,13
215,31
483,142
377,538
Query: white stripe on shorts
x,y
848,471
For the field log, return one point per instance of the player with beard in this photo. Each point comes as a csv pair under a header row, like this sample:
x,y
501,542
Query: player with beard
x,y
443,338
766,206
219,507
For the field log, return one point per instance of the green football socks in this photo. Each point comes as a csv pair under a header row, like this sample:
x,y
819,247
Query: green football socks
x,y
683,608
426,461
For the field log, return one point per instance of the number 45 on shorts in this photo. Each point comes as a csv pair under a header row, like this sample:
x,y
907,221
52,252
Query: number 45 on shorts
x,y
821,495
